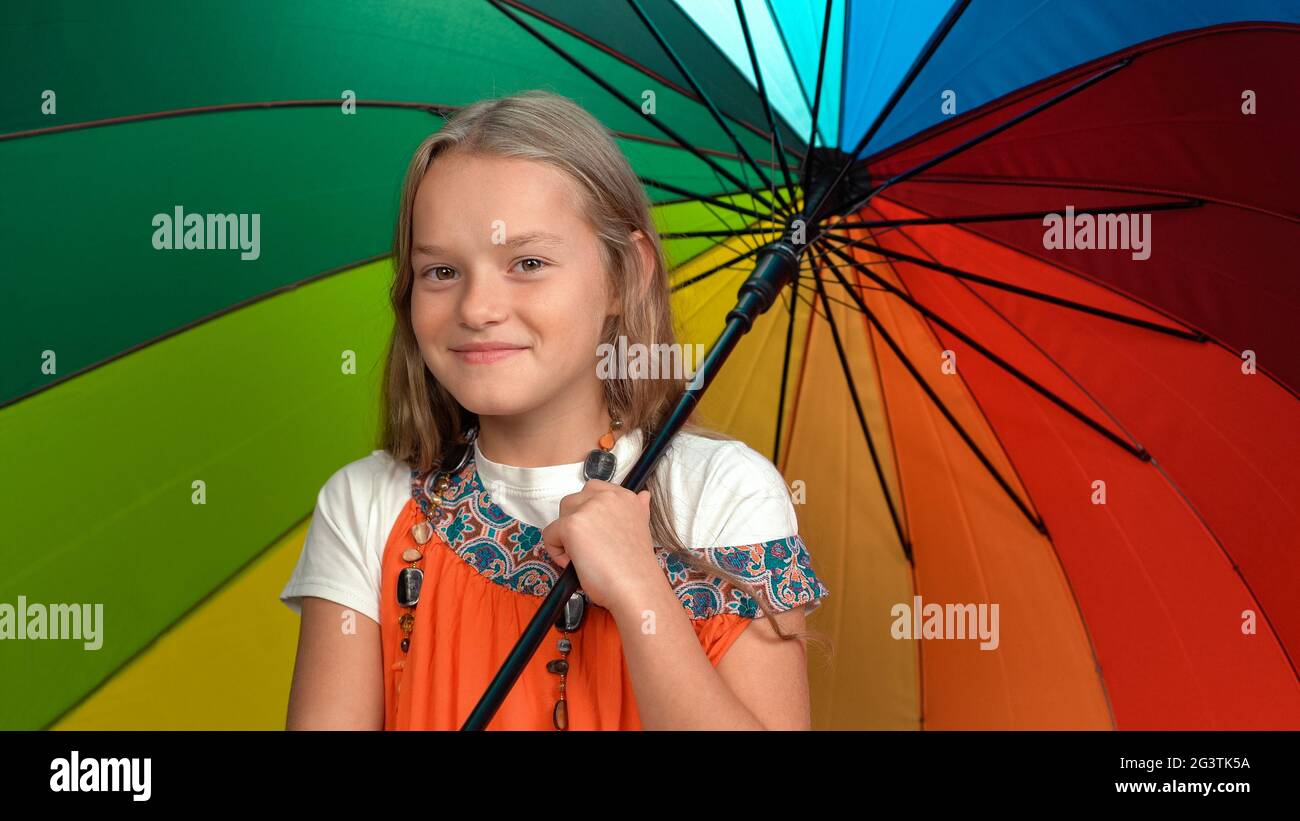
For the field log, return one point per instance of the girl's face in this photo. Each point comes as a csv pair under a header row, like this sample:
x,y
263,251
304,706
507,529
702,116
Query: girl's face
x,y
501,255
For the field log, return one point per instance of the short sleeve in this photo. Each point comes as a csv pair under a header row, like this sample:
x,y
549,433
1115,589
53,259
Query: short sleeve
x,y
745,523
334,564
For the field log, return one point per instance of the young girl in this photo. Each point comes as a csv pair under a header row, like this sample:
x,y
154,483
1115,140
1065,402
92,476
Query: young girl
x,y
524,241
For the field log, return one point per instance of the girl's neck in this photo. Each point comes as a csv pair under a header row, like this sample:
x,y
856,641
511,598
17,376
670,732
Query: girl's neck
x,y
537,441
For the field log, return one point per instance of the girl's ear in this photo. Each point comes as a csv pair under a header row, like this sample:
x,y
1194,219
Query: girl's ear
x,y
646,252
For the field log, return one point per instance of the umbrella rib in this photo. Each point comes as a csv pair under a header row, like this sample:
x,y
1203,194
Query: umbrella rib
x,y
440,110
817,94
862,419
811,278
931,46
605,84
660,141
631,62
692,196
195,323
992,132
436,109
1135,450
811,303
741,237
730,233
741,234
785,372
1084,185
859,288
911,368
1019,215
784,40
1193,336
724,234
733,233
1160,469
767,108
715,269
707,100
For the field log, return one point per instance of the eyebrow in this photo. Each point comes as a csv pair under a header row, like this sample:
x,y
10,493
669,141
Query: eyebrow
x,y
526,238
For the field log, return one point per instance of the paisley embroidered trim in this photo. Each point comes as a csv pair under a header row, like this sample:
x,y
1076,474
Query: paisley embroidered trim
x,y
510,553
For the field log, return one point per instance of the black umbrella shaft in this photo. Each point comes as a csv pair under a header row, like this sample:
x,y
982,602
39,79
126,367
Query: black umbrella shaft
x,y
776,268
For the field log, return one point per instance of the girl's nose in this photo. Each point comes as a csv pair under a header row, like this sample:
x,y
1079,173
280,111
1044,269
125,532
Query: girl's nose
x,y
483,300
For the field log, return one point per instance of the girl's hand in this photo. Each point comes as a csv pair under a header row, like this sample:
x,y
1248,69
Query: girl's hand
x,y
604,529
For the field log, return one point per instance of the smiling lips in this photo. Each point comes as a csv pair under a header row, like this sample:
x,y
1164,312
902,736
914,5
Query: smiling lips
x,y
485,353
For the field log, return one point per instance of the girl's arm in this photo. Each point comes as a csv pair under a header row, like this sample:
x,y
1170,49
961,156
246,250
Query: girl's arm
x,y
338,679
761,683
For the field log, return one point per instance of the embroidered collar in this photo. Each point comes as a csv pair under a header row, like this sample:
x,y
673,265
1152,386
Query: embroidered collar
x,y
509,552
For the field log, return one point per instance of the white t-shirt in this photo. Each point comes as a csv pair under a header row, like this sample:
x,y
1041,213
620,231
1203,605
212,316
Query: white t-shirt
x,y
723,493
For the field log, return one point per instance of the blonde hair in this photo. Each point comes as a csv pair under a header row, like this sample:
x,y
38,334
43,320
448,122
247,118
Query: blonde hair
x,y
420,417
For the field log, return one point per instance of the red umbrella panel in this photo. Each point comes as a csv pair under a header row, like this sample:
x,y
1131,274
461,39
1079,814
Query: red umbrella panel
x,y
1144,397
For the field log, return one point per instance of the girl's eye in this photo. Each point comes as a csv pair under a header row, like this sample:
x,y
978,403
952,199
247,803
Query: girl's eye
x,y
540,264
433,272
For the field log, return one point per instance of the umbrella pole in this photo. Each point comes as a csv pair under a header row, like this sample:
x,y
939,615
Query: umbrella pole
x,y
776,268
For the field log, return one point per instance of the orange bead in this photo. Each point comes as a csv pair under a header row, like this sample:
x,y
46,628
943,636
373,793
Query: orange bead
x,y
607,441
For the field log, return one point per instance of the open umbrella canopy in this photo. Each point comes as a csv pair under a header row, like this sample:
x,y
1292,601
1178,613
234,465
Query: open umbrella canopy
x,y
1091,430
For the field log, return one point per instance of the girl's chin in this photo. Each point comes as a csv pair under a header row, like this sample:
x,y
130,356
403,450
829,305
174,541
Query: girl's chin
x,y
490,399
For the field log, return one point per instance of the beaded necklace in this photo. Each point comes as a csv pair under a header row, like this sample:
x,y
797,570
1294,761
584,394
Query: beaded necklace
x,y
599,464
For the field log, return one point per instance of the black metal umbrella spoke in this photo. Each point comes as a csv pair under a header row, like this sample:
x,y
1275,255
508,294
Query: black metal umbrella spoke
x,y
691,195
699,90
812,278
857,287
903,540
1034,518
1018,215
632,62
931,45
1019,290
705,274
1136,450
631,104
722,234
817,93
992,132
788,209
792,305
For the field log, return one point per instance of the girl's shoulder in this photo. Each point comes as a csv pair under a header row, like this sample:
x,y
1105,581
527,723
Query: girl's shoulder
x,y
735,509
343,549
361,501
731,493
377,478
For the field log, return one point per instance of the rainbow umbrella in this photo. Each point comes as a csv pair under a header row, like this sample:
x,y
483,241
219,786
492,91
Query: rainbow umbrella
x,y
1083,434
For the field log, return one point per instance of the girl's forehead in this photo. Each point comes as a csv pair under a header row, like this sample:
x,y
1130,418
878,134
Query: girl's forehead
x,y
478,173
461,187
476,202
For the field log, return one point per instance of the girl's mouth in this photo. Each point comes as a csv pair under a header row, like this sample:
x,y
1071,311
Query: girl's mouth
x,y
486,357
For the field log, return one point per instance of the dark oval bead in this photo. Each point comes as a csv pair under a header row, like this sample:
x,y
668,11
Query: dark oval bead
x,y
561,716
557,666
574,609
599,464
406,645
409,582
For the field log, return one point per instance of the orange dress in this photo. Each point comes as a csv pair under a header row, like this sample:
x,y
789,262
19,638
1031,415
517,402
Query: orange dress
x,y
485,574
